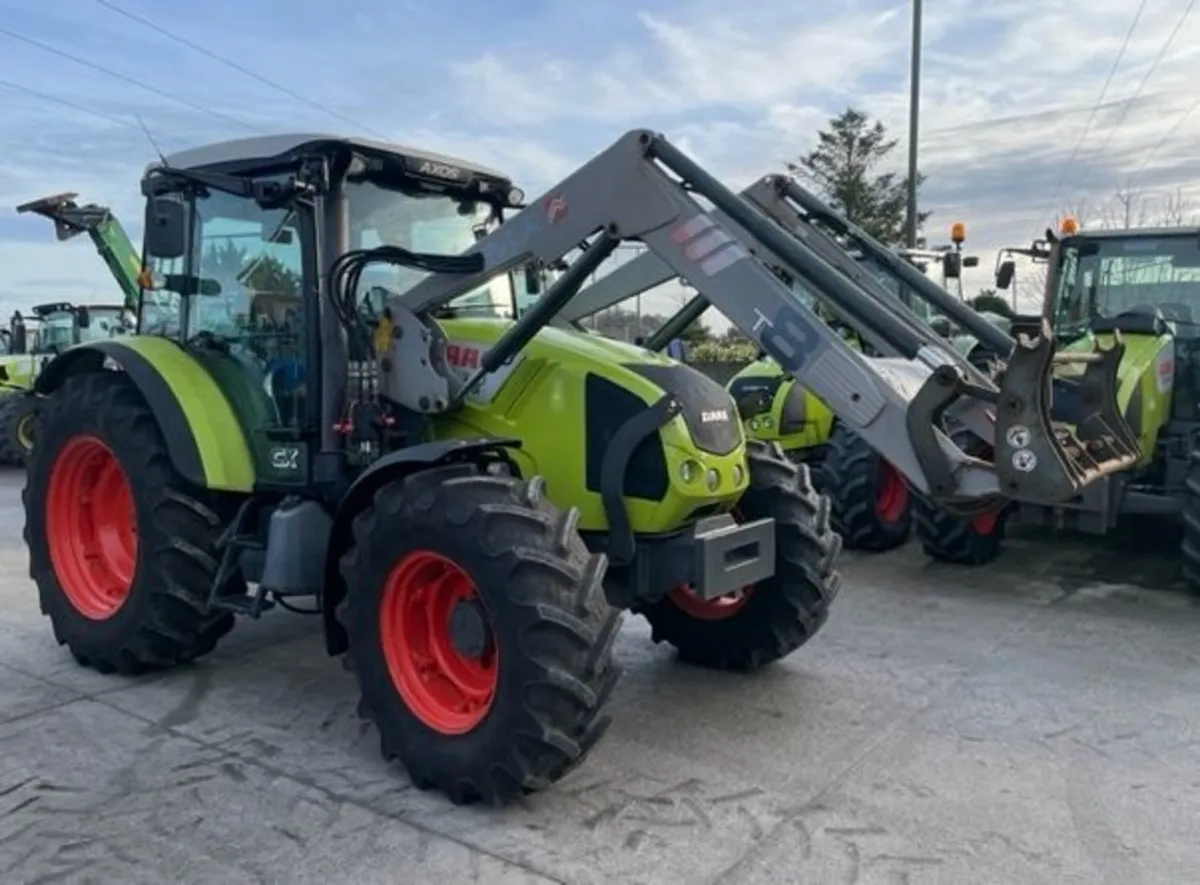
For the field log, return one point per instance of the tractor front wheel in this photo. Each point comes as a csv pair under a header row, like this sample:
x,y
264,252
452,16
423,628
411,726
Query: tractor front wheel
x,y
959,540
478,632
768,621
869,499
123,552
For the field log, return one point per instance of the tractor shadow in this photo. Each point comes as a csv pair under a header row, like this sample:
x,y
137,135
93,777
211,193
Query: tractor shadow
x,y
1142,554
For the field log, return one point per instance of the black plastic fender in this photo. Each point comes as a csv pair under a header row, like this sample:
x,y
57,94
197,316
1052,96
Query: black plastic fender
x,y
387,469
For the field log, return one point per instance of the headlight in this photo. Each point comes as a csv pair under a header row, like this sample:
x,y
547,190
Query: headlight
x,y
713,479
739,473
689,471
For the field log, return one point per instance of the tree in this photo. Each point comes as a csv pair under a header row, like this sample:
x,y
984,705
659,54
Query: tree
x,y
696,333
843,169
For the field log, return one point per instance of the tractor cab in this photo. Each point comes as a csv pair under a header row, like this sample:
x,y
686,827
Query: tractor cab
x,y
1144,285
61,325
234,269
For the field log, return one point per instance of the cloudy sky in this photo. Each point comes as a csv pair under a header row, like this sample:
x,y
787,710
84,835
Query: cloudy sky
x,y
1009,88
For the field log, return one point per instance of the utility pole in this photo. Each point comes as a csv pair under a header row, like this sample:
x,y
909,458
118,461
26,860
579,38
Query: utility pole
x,y
914,116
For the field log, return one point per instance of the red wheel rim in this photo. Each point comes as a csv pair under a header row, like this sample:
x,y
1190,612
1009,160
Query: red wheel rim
x,y
447,691
91,527
891,494
985,523
685,599
718,609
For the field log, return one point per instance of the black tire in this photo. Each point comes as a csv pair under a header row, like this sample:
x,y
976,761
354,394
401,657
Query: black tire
x,y
957,540
1190,547
542,594
870,505
11,454
164,619
784,612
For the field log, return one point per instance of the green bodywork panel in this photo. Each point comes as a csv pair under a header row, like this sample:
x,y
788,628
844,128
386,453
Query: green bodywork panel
x,y
818,419
225,459
20,369
1145,382
540,398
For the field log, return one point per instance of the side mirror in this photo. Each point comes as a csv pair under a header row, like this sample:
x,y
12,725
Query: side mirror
x,y
941,326
166,228
533,279
1005,272
952,265
970,261
82,317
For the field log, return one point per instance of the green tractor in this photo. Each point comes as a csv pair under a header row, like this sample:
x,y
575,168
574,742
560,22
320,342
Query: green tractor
x,y
1140,287
31,340
281,426
315,406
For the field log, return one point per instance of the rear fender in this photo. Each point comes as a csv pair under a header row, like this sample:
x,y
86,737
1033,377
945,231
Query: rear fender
x,y
362,491
204,439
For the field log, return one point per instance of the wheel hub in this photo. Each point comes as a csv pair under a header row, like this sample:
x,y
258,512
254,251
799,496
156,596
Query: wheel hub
x,y
468,628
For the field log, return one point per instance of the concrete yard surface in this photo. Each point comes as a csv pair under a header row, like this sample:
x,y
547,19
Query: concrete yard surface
x,y
1034,722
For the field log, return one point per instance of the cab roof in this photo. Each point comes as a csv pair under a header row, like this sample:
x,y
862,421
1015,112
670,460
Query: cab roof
x,y
272,150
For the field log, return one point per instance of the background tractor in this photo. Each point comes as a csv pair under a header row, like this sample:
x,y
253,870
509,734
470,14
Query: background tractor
x,y
871,506
1141,287
31,340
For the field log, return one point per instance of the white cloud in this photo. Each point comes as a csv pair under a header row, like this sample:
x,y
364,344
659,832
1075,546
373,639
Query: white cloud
x,y
1006,92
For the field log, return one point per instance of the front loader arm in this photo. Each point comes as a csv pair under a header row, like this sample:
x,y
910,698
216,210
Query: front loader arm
x,y
641,189
107,235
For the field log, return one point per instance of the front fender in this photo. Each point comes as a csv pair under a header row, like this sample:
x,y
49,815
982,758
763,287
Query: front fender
x,y
362,491
204,439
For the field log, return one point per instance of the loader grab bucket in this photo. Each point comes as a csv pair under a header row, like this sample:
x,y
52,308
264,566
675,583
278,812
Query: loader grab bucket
x,y
1039,459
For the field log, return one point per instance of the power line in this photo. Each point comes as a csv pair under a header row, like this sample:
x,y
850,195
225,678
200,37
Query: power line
x,y
1146,158
54,99
229,63
1153,67
117,75
1065,170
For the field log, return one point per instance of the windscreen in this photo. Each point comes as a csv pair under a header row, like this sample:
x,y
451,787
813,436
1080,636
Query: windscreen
x,y
420,222
1136,274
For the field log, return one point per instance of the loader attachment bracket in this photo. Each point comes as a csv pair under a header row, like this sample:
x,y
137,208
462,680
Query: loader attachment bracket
x,y
1102,423
1037,460
925,414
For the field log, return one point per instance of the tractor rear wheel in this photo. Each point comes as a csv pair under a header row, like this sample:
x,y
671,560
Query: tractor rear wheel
x,y
123,552
478,631
768,621
12,453
1190,548
869,500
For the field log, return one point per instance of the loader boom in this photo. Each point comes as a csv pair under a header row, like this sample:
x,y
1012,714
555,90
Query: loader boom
x,y
641,189
106,233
